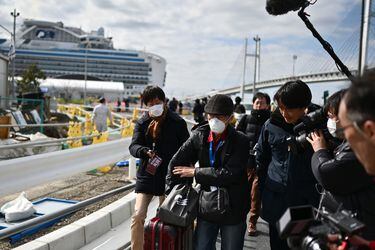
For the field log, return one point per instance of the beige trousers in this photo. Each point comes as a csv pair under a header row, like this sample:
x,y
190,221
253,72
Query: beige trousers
x,y
142,202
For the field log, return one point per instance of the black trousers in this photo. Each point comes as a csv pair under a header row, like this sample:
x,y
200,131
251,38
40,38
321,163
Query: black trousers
x,y
275,241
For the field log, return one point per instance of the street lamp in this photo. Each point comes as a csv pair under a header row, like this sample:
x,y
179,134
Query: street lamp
x,y
85,90
14,14
294,64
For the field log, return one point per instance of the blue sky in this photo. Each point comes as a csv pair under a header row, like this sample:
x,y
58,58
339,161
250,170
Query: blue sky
x,y
202,40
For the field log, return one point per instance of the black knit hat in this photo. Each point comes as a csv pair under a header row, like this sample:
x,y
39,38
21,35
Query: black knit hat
x,y
219,105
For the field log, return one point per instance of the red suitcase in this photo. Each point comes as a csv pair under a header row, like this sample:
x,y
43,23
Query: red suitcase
x,y
160,236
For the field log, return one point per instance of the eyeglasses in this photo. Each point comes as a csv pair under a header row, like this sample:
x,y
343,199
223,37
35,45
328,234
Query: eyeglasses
x,y
340,131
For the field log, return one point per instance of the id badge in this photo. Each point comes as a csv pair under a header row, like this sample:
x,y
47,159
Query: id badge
x,y
153,165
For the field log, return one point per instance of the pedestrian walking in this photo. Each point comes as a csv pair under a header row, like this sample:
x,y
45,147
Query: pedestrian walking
x,y
100,115
251,126
222,153
158,134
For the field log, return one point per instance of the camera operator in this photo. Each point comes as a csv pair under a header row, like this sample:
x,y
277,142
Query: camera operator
x,y
285,178
340,173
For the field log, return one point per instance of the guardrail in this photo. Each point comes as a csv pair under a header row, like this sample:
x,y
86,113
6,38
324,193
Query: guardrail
x,y
35,125
22,173
190,121
56,141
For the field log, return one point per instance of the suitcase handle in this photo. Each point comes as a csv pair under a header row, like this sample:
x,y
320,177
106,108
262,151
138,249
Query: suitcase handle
x,y
154,227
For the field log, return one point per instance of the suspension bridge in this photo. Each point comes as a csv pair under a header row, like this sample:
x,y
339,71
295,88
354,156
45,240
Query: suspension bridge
x,y
312,66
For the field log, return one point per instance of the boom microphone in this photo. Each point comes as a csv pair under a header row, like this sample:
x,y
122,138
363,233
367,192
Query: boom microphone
x,y
280,7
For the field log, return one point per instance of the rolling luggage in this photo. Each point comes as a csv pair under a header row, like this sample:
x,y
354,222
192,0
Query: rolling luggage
x,y
160,236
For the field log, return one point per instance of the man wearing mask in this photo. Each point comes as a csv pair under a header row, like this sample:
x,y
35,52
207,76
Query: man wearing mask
x,y
285,177
340,172
222,153
251,126
158,134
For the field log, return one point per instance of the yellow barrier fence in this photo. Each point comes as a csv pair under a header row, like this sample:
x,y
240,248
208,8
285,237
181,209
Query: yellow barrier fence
x,y
75,130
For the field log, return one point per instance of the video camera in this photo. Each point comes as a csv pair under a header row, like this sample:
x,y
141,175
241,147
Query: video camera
x,y
307,228
316,120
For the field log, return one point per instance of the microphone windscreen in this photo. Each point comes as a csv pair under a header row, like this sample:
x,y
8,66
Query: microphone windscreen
x,y
281,7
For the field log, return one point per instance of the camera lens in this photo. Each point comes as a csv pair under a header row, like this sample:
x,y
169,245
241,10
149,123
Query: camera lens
x,y
311,243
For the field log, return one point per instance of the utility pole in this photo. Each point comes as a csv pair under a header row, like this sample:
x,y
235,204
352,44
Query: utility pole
x,y
366,14
257,57
294,64
242,90
15,14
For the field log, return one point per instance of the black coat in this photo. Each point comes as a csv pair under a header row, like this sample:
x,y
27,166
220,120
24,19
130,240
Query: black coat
x,y
285,178
251,126
173,134
198,111
345,178
229,170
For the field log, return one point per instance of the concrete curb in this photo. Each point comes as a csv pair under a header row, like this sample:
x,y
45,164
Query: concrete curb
x,y
87,229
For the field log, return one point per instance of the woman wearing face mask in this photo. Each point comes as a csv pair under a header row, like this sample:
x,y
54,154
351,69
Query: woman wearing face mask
x,y
158,134
340,173
222,153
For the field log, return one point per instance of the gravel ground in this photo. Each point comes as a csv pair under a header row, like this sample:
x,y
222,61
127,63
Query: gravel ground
x,y
79,187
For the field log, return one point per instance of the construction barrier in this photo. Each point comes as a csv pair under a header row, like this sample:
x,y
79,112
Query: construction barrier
x,y
88,124
75,130
135,114
127,128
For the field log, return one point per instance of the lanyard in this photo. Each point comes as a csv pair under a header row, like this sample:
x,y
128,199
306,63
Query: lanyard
x,y
213,154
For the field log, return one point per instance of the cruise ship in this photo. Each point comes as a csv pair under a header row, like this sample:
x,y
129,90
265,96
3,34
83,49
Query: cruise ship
x,y
63,52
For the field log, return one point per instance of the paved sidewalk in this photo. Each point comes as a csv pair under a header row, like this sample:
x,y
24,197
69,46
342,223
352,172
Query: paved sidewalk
x,y
119,237
259,242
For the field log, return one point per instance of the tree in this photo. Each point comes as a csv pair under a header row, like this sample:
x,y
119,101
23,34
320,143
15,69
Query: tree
x,y
30,79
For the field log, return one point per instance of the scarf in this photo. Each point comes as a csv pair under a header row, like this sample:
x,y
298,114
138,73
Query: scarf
x,y
155,126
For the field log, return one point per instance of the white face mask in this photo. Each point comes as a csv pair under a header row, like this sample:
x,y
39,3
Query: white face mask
x,y
216,125
156,110
332,127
